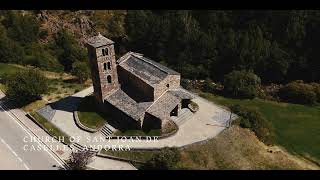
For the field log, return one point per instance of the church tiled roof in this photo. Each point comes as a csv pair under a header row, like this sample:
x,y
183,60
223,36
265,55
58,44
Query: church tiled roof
x,y
99,40
146,69
126,104
158,108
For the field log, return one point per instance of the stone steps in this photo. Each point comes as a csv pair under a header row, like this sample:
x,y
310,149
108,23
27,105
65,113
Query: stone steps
x,y
184,116
107,130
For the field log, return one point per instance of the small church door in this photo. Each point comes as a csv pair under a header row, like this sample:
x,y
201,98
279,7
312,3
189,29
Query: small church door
x,y
174,112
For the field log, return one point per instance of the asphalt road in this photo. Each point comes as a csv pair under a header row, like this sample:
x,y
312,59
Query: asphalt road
x,y
20,149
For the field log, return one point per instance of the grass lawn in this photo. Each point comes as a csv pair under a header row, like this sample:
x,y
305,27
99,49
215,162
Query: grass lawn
x,y
3,88
60,84
9,68
297,127
153,132
234,148
132,155
61,87
54,131
89,115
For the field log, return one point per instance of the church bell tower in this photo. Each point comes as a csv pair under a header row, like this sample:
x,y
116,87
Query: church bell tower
x,y
103,66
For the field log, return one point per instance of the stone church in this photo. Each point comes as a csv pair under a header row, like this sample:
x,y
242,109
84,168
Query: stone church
x,y
136,91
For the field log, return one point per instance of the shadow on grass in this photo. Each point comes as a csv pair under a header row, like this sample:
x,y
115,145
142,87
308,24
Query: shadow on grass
x,y
73,80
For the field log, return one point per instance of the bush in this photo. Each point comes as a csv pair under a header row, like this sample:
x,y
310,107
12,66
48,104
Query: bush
x,y
26,86
298,92
39,56
167,158
253,120
316,89
79,160
10,51
4,78
194,107
186,83
21,28
210,87
68,50
44,61
169,127
81,70
241,84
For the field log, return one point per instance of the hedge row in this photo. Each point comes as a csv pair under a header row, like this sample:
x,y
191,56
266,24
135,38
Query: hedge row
x,y
300,92
253,120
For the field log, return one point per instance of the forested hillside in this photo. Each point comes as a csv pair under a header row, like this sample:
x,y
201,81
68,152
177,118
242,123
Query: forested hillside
x,y
278,46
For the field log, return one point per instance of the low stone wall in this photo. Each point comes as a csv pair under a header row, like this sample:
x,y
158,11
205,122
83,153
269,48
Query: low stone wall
x,y
192,109
146,137
172,133
80,125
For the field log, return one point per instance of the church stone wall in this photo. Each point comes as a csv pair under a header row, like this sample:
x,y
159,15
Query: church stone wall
x,y
119,119
134,86
173,81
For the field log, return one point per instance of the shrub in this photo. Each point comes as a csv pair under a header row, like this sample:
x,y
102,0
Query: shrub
x,y
4,78
10,51
241,84
26,86
44,61
298,92
169,127
253,120
21,28
81,70
68,50
316,89
210,87
194,107
166,158
186,83
79,160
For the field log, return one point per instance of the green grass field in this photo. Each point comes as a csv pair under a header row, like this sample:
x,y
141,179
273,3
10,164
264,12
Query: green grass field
x,y
8,68
297,127
153,132
88,114
52,129
142,156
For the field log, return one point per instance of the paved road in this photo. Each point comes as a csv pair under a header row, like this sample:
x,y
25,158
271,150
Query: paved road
x,y
17,154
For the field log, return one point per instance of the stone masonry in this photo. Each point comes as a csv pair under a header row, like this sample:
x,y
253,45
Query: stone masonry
x,y
134,89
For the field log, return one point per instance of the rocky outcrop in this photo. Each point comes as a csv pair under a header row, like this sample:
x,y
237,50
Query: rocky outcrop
x,y
78,23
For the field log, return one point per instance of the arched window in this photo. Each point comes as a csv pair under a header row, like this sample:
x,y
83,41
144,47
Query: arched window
x,y
104,66
109,79
106,52
109,65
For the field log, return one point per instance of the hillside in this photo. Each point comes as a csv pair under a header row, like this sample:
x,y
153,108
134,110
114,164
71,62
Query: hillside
x,y
238,148
82,24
